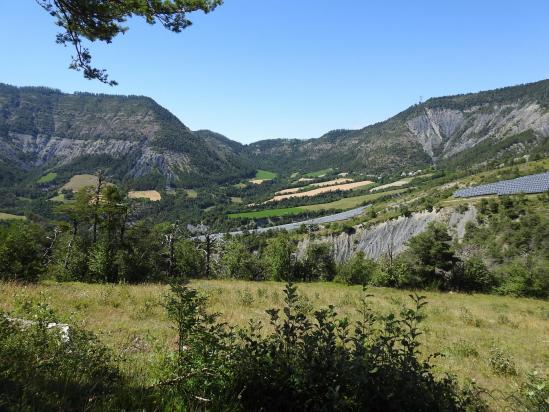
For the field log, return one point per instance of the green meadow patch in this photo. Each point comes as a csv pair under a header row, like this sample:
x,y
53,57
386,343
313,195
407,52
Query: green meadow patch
x,y
351,202
47,178
265,175
8,216
268,213
319,173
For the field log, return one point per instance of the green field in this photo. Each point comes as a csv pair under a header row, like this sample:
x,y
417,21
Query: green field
x,y
464,328
191,193
268,213
351,202
319,173
8,216
265,175
47,178
60,198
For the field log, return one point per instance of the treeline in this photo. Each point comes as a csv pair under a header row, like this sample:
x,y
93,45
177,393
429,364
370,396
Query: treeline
x,y
505,252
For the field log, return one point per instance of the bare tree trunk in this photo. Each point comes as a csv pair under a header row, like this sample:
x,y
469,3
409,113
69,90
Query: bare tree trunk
x,y
208,249
71,242
53,240
96,203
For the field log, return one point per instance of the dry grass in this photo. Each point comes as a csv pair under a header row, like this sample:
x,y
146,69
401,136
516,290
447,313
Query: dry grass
x,y
77,182
320,190
152,195
132,320
286,191
332,182
9,216
398,183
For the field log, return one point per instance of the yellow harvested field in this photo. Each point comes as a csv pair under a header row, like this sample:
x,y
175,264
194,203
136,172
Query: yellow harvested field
x,y
152,195
286,191
256,181
398,183
320,190
332,182
77,182
321,184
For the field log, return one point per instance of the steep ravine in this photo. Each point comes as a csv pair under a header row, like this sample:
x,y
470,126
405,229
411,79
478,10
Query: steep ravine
x,y
378,240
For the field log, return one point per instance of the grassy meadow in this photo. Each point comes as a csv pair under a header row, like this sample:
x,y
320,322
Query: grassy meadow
x,y
470,331
351,202
9,216
269,213
47,178
319,173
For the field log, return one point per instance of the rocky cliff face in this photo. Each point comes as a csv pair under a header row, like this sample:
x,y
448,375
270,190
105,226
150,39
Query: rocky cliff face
x,y
509,121
444,133
130,136
391,236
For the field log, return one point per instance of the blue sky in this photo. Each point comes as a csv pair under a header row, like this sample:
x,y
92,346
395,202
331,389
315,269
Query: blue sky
x,y
256,69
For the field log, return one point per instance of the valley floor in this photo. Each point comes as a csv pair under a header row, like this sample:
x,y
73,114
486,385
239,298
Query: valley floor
x,y
466,329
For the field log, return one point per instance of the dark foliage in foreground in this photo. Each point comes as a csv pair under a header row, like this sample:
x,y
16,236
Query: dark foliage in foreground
x,y
319,363
43,369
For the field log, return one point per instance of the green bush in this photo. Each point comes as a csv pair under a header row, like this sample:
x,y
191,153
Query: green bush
x,y
521,278
43,369
357,270
472,275
325,363
317,264
305,363
534,393
22,252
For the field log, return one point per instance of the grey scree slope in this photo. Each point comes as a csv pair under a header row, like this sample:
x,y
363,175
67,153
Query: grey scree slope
x,y
528,184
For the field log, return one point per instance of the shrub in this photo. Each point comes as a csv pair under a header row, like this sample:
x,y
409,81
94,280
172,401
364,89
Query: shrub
x,y
534,393
324,363
501,363
357,270
472,275
41,369
520,280
22,252
318,263
198,374
399,272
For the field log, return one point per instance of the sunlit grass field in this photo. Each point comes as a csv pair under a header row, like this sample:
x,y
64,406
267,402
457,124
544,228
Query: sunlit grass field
x,y
464,328
9,216
268,213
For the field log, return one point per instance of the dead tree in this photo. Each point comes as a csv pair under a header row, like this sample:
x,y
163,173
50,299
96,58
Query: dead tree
x,y
53,241
170,240
96,203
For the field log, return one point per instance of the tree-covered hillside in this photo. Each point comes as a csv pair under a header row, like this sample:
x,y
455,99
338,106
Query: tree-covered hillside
x,y
132,137
506,122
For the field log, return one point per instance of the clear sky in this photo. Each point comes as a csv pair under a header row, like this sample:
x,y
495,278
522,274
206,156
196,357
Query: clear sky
x,y
256,69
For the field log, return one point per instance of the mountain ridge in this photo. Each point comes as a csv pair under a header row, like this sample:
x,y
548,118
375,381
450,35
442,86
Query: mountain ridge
x,y
138,141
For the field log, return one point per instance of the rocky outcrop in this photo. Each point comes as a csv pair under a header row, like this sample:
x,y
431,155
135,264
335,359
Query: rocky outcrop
x,y
433,132
130,136
445,132
391,236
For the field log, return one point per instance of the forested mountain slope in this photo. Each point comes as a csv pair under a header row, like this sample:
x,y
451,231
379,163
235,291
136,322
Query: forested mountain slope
x,y
136,140
456,130
132,137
